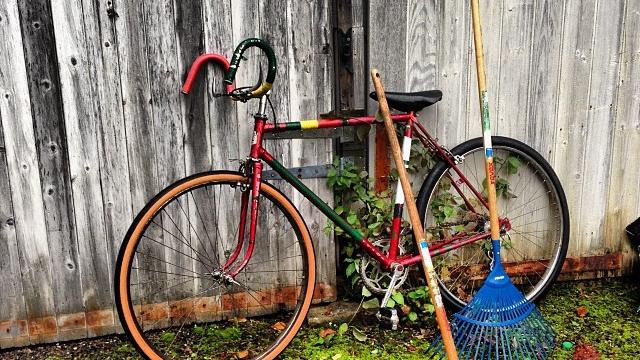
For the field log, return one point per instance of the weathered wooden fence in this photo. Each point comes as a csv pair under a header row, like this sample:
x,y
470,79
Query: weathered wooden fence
x,y
93,125
563,77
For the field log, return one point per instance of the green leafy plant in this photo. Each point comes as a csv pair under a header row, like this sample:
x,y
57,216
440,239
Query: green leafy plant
x,y
367,211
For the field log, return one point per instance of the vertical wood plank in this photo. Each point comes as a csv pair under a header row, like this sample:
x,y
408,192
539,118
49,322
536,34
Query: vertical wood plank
x,y
452,59
492,33
248,73
311,94
359,56
599,129
387,43
570,148
162,57
136,97
140,132
387,52
112,144
223,114
24,177
323,61
190,35
545,74
79,97
422,51
623,201
51,144
515,55
13,324
275,18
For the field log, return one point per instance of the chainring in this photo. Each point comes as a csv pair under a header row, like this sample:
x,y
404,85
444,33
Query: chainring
x,y
374,277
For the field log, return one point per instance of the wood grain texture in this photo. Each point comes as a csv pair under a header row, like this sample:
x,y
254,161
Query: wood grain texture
x,y
554,82
454,40
623,203
53,157
190,37
491,15
576,58
359,55
387,52
24,177
140,132
222,114
12,308
310,94
544,71
112,143
79,98
422,52
599,125
515,52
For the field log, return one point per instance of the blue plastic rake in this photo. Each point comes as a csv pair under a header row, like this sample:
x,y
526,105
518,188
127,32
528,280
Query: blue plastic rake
x,y
499,323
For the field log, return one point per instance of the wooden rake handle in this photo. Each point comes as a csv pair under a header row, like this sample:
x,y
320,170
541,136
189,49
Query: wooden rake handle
x,y
418,232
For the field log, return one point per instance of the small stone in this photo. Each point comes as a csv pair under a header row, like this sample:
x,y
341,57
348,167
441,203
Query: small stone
x,y
338,312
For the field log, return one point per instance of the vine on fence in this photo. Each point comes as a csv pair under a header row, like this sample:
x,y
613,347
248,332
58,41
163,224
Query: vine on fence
x,y
371,213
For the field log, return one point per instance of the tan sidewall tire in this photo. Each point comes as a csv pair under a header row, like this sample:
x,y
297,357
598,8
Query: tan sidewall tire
x,y
127,251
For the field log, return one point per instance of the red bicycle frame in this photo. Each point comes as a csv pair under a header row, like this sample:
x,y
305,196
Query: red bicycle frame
x,y
258,154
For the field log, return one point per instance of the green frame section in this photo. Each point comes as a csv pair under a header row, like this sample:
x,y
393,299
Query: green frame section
x,y
315,200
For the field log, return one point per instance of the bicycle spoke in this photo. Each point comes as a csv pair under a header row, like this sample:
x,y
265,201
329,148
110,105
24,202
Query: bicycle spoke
x,y
192,228
533,213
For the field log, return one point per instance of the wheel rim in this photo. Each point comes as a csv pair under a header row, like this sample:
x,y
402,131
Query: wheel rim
x,y
181,293
462,271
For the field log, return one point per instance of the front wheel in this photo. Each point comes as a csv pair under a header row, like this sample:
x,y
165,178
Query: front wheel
x,y
532,210
178,284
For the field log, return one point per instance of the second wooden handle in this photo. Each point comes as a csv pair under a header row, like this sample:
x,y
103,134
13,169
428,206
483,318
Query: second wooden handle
x,y
416,223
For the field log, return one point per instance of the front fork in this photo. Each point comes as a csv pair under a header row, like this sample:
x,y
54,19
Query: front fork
x,y
250,196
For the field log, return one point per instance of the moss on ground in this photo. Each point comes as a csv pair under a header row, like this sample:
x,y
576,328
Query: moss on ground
x,y
611,325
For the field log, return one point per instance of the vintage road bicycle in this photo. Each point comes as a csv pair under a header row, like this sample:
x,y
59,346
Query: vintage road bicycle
x,y
223,248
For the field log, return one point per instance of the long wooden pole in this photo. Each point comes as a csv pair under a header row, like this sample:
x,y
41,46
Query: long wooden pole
x,y
486,125
418,232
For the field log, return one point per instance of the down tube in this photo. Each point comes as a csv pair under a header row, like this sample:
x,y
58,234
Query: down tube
x,y
315,200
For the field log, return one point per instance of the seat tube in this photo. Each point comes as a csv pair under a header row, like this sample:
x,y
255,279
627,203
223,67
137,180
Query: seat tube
x,y
396,225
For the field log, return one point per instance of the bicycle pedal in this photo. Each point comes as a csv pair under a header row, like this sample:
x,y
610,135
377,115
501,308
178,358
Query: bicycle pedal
x,y
388,318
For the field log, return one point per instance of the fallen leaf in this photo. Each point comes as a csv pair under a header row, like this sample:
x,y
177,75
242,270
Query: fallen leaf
x,y
581,311
586,351
359,335
406,309
240,320
244,354
279,326
325,332
371,304
343,328
411,348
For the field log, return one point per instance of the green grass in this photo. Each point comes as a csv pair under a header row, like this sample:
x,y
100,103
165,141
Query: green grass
x,y
611,325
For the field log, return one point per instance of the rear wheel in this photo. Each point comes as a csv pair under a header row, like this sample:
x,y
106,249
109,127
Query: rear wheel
x,y
176,291
532,208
